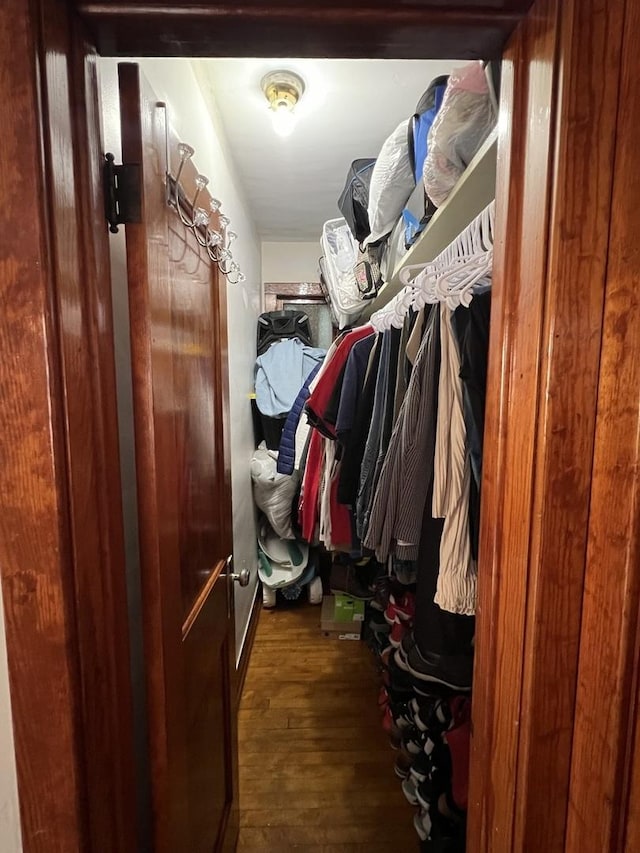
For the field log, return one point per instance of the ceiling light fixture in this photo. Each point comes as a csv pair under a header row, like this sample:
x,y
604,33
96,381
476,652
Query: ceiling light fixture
x,y
283,90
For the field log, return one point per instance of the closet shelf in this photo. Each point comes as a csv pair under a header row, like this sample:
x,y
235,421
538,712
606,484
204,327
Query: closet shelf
x,y
473,192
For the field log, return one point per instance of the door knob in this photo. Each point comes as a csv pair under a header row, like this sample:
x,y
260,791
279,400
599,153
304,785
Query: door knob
x,y
243,577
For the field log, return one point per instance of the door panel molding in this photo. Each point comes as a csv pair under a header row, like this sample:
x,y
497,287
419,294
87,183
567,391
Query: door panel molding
x,y
66,678
62,546
363,28
202,597
603,807
177,316
553,206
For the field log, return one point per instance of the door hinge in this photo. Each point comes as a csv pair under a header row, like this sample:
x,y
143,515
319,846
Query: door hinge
x,y
122,193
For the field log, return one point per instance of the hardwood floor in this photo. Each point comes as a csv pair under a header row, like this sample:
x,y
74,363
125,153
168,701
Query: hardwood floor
x,y
316,768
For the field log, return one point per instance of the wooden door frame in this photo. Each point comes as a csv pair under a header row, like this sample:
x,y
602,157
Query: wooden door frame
x,y
275,293
554,207
68,667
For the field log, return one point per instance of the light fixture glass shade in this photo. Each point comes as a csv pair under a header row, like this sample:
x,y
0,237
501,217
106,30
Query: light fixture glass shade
x,y
284,121
283,89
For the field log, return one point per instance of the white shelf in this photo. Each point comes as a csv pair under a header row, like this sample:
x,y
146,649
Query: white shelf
x,y
473,192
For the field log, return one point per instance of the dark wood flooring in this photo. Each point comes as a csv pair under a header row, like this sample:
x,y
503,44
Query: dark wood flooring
x,y
316,768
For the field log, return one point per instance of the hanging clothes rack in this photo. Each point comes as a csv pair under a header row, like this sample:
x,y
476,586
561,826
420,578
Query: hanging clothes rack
x,y
452,277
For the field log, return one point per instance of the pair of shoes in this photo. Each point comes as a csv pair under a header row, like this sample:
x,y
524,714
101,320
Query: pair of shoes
x,y
345,580
454,671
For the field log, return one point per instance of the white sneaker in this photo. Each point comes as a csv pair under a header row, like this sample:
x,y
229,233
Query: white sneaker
x,y
314,591
268,597
422,824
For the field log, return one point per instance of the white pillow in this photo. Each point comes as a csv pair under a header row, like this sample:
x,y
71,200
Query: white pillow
x,y
392,182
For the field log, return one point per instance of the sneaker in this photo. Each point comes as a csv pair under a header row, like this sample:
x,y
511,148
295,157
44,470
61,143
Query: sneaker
x,y
401,683
429,689
454,671
379,629
398,630
269,597
403,763
414,741
402,608
433,716
425,793
409,790
395,735
402,715
401,653
420,768
422,824
380,599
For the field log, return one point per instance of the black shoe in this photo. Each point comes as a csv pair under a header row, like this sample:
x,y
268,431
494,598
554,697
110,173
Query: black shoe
x,y
400,682
454,671
421,767
402,652
433,717
344,580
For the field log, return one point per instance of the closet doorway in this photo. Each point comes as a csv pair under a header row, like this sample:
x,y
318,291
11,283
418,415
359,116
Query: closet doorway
x,y
546,375
305,296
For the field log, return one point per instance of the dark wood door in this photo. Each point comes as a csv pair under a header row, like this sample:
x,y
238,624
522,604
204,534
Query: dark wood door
x,y
180,387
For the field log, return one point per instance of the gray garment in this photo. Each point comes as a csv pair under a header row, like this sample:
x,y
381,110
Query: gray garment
x,y
401,374
398,505
389,420
371,448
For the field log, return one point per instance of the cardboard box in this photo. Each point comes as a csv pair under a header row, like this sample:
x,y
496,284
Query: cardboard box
x,y
347,609
346,628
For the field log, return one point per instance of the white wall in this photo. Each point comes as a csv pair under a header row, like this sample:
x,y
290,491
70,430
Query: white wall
x,y
290,261
195,121
10,833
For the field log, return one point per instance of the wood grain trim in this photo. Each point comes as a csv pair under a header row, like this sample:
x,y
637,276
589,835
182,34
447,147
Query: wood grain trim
x,y
35,541
541,420
160,589
247,647
101,593
588,82
408,14
517,311
202,596
604,770
373,29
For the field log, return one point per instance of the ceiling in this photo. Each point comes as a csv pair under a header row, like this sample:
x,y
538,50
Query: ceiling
x,y
348,109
